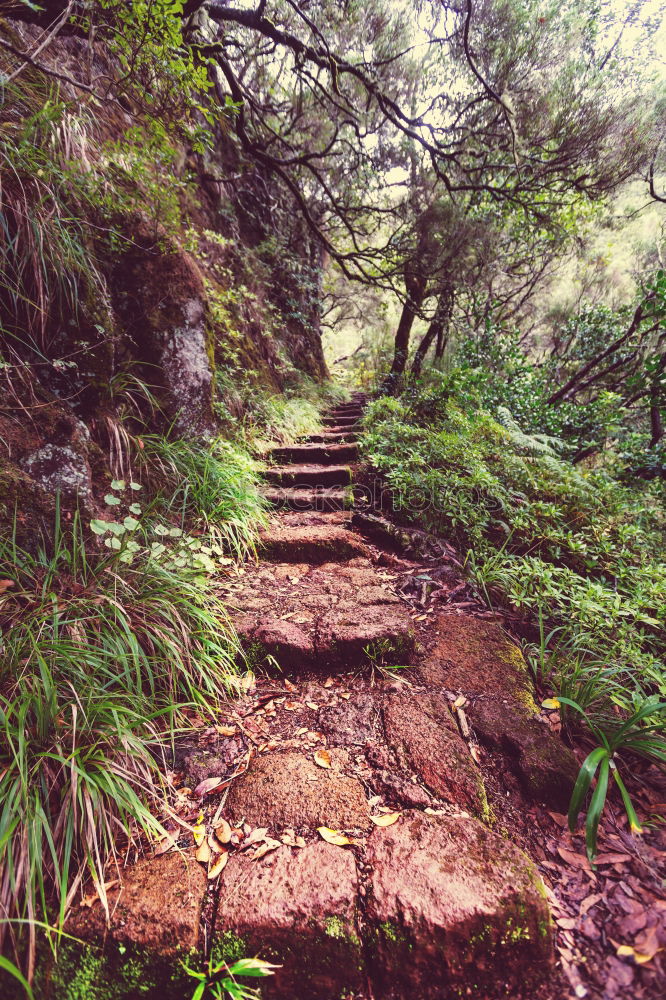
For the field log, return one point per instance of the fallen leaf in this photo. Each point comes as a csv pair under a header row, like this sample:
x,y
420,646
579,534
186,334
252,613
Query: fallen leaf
x,y
386,819
374,801
223,832
165,845
610,858
199,832
590,901
460,701
333,836
215,869
323,758
571,858
202,852
346,695
270,845
313,705
226,730
289,686
329,682
94,897
206,786
256,835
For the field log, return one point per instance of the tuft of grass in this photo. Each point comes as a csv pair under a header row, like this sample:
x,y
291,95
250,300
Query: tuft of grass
x,y
214,488
100,663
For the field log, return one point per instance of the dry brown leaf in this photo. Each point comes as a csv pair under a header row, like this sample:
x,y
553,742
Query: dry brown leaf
x,y
346,695
206,786
216,868
313,705
226,730
333,836
270,845
323,758
329,682
256,836
611,858
571,858
165,845
202,853
94,896
289,686
223,832
386,819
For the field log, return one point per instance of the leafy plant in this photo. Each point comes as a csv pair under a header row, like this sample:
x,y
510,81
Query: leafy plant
x,y
219,981
641,733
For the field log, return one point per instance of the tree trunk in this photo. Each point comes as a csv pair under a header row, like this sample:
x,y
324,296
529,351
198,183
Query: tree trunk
x,y
416,287
437,329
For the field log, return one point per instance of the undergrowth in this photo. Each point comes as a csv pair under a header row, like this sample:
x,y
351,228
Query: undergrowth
x,y
103,658
543,538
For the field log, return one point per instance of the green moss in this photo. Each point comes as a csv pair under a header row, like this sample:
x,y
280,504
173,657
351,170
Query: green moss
x,y
228,947
117,972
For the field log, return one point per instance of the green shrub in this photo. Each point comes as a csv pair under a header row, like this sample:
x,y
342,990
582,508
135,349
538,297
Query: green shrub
x,y
542,536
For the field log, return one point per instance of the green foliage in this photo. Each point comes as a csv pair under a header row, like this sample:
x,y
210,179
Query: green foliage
x,y
101,658
213,489
642,733
219,980
542,536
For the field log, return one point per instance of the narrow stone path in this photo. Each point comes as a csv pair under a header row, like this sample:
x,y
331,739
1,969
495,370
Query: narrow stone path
x,y
375,872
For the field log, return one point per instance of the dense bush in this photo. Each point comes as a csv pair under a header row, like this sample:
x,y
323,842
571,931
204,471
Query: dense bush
x,y
543,537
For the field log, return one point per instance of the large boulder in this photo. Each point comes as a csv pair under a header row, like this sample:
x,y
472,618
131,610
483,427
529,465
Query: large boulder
x,y
455,907
475,657
297,909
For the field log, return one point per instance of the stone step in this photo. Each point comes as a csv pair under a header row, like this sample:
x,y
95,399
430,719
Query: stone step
x,y
301,476
345,411
316,454
313,617
339,421
452,909
333,434
291,498
313,544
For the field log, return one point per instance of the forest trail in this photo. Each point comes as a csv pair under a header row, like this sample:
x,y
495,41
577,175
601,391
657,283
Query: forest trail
x,y
365,861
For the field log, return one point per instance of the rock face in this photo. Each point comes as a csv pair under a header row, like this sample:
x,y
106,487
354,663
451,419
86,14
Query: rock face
x,y
420,728
289,790
299,909
546,767
453,904
162,301
474,657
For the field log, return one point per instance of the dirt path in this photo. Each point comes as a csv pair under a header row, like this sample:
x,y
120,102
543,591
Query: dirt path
x,y
374,814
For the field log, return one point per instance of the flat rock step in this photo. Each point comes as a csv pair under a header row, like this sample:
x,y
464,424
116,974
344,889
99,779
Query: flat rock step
x,y
339,421
309,475
332,435
448,903
317,454
291,498
313,544
310,617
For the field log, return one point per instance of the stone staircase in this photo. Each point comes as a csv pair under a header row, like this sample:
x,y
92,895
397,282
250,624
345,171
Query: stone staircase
x,y
383,879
